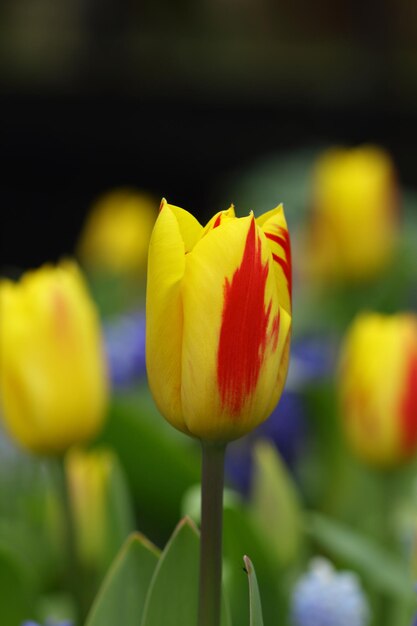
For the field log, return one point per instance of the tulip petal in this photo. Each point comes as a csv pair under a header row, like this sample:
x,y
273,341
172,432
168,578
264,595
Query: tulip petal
x,y
274,225
219,218
376,416
408,403
50,336
164,326
190,228
231,331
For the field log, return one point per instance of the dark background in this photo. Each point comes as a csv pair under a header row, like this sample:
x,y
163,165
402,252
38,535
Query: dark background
x,y
172,96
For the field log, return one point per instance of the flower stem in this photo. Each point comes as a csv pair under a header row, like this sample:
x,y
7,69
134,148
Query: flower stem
x,y
73,570
211,534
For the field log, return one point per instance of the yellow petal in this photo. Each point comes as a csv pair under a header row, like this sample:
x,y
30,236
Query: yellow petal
x,y
51,346
219,218
274,225
164,316
373,385
230,360
190,228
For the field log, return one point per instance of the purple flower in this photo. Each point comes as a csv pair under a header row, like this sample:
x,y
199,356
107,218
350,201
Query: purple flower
x,y
125,340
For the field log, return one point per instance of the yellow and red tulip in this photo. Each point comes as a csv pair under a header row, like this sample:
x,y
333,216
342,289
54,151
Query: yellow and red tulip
x,y
53,381
378,387
354,224
116,234
218,319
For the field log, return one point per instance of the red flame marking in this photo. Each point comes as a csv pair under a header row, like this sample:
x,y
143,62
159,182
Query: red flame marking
x,y
409,406
243,334
217,221
283,240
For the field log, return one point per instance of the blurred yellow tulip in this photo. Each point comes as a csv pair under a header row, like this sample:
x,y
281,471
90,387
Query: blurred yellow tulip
x,y
378,387
218,319
88,475
354,223
53,380
117,231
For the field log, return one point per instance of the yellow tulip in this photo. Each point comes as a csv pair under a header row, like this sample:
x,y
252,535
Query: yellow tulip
x,y
378,387
117,231
88,475
53,381
218,319
354,223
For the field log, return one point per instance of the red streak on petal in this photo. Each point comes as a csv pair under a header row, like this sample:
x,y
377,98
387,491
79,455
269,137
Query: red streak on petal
x,y
409,406
243,333
61,319
275,331
283,240
217,221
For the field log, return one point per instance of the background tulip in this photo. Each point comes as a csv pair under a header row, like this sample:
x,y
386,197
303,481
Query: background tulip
x,y
378,387
218,319
116,234
100,505
53,379
354,223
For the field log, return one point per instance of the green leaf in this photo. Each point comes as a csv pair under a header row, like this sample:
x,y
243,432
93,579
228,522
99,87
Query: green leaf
x,y
173,594
274,503
121,598
156,459
239,537
255,608
380,568
119,511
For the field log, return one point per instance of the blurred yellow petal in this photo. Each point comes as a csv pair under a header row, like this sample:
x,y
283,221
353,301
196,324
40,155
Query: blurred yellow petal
x,y
116,234
353,229
53,378
378,377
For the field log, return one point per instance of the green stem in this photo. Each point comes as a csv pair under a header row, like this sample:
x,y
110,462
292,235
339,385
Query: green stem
x,y
73,568
211,534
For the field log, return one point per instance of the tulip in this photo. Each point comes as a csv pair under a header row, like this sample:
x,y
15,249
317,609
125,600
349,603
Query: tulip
x,y
378,387
117,231
217,342
53,381
88,476
218,320
96,489
354,223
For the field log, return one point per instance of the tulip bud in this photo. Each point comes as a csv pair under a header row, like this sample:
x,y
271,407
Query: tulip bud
x,y
100,505
354,224
378,387
53,382
116,235
218,320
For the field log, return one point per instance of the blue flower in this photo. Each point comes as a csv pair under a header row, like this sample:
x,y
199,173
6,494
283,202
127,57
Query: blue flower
x,y
325,597
125,341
